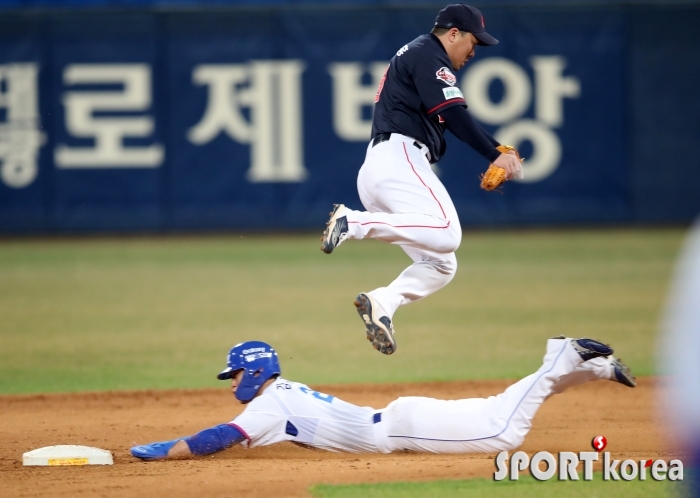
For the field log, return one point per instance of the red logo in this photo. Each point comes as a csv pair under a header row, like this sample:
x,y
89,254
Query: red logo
x,y
381,85
599,443
446,75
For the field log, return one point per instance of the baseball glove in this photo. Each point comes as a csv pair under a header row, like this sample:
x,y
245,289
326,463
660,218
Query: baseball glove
x,y
495,176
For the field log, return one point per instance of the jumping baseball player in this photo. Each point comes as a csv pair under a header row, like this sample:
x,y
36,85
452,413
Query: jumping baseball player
x,y
279,410
418,98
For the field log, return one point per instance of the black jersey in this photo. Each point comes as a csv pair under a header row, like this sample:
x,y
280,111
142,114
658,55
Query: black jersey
x,y
417,85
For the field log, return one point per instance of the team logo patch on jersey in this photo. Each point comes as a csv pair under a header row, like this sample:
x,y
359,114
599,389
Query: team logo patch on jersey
x,y
452,93
446,75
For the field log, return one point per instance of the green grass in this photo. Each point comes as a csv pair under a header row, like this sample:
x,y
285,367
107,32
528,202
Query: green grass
x,y
525,487
124,313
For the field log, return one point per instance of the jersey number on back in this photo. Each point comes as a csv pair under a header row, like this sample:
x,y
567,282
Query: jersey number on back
x,y
323,397
381,85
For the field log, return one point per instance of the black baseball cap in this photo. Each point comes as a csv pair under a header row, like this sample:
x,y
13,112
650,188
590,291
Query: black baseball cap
x,y
465,18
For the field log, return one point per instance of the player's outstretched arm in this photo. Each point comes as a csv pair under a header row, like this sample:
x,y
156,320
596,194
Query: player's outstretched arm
x,y
206,442
493,141
462,125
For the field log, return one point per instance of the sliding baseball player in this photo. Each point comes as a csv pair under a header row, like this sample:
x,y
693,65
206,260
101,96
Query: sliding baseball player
x,y
280,410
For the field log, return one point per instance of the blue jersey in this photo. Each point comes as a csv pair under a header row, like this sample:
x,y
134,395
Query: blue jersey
x,y
417,86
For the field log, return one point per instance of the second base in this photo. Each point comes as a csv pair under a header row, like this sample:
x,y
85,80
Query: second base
x,y
67,454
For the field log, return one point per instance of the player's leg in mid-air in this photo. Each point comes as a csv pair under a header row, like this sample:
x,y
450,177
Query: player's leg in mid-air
x,y
429,272
406,204
498,423
609,367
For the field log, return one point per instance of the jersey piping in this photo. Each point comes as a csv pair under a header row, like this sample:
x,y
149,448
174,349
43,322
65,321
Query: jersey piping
x,y
449,102
240,429
421,180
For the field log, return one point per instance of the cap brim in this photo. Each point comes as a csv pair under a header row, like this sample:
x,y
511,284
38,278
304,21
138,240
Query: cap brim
x,y
226,373
485,39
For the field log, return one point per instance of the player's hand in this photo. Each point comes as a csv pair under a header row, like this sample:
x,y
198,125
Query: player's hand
x,y
154,451
511,164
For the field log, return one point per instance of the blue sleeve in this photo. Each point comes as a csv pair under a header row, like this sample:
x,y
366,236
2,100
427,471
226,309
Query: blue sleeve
x,y
154,451
214,439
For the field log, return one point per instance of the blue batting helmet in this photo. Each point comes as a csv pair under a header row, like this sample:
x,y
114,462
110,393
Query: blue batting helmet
x,y
259,362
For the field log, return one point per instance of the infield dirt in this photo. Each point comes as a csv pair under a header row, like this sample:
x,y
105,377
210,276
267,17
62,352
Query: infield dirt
x,y
628,418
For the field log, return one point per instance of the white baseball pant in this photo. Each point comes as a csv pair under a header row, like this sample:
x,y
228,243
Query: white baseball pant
x,y
407,205
485,425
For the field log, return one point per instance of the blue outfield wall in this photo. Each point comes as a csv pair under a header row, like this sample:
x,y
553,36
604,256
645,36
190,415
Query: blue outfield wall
x,y
145,119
